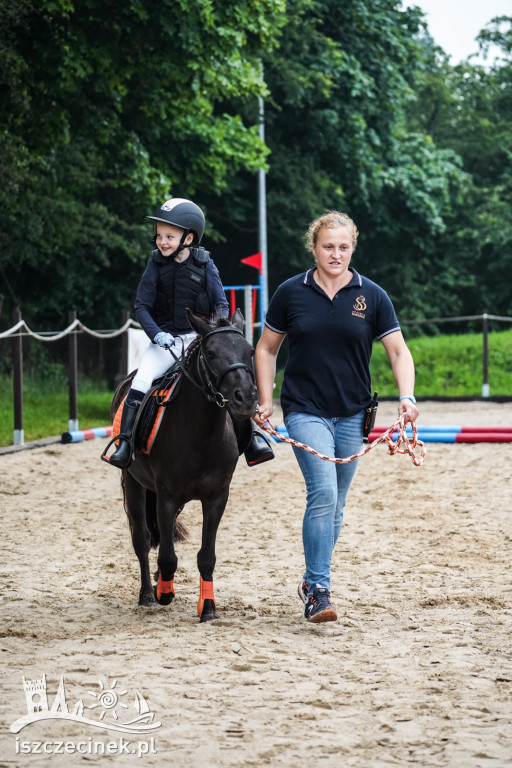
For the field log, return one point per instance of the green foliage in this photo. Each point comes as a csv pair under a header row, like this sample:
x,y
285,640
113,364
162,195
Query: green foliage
x,y
341,83
105,113
468,109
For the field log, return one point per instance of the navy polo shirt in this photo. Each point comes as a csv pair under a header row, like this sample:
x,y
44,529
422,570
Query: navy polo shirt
x,y
329,342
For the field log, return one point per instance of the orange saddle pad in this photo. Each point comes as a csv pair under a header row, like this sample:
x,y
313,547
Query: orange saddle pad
x,y
164,395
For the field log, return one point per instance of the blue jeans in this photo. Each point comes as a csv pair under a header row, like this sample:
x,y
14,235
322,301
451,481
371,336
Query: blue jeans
x,y
327,484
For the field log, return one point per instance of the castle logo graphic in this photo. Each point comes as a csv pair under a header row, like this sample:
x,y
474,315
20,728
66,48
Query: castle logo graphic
x,y
107,703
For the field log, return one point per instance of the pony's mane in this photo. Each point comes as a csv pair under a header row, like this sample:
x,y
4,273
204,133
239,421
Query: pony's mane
x,y
192,349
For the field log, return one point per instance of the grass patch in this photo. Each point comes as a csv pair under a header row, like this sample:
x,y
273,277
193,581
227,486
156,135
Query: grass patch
x,y
46,413
450,366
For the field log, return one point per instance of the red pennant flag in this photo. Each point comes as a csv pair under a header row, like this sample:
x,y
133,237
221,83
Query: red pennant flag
x,y
253,261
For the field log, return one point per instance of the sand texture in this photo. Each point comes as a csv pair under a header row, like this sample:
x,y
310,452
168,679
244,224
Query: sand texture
x,y
416,671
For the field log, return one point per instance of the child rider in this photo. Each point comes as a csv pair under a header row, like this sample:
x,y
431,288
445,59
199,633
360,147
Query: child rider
x,y
178,275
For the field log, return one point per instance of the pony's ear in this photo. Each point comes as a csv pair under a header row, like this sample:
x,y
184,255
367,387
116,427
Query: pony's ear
x,y
200,326
238,320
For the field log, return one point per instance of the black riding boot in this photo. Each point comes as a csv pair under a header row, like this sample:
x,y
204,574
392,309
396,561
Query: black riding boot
x,y
122,458
259,450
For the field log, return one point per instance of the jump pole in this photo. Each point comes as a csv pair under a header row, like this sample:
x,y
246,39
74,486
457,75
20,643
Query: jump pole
x,y
78,435
449,428
456,437
455,434
439,434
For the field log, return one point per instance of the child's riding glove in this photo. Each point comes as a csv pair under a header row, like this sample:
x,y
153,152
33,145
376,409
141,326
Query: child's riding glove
x,y
164,340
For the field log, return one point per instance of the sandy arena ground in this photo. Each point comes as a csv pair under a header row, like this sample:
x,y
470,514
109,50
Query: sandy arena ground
x,y
416,671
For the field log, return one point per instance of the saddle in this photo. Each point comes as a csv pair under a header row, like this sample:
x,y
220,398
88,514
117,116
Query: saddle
x,y
151,411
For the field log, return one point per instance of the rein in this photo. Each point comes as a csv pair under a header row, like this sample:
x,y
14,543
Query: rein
x,y
403,443
210,382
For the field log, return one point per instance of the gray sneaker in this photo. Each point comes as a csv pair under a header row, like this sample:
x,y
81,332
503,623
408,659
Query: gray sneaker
x,y
319,607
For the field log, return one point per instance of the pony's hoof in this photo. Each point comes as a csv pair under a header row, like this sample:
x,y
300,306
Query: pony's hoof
x,y
208,612
148,601
165,598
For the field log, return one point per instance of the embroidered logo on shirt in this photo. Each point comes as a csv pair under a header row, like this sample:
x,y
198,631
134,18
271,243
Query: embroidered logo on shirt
x,y
358,307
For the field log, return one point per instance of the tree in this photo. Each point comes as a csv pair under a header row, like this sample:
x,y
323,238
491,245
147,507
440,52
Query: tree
x,y
341,84
105,114
468,108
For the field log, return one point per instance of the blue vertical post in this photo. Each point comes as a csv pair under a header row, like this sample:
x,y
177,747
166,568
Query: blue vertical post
x,y
262,209
262,305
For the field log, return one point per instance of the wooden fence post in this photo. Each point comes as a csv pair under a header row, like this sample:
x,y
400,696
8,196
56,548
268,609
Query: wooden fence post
x,y
17,380
486,391
73,375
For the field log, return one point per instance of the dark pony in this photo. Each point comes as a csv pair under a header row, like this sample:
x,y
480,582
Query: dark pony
x,y
193,456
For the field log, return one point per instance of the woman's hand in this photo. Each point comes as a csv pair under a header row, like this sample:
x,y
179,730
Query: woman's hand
x,y
263,412
408,408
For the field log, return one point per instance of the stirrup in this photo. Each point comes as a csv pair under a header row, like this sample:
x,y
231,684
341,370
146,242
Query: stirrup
x,y
106,458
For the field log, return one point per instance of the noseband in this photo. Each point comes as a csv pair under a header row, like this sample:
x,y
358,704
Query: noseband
x,y
210,381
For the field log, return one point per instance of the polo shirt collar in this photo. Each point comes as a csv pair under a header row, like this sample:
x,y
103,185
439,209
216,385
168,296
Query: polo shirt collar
x,y
356,278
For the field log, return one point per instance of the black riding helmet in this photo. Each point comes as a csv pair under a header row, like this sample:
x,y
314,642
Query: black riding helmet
x,y
184,214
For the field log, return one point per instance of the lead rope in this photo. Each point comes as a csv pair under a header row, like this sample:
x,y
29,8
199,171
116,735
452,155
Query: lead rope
x,y
403,444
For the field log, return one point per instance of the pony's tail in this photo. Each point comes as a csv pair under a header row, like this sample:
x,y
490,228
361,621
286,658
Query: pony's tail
x,y
151,520
180,531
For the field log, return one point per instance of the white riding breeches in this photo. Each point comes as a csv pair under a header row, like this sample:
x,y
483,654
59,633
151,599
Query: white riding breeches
x,y
156,360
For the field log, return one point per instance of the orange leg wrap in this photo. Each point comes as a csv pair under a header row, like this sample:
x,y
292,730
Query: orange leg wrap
x,y
205,593
164,587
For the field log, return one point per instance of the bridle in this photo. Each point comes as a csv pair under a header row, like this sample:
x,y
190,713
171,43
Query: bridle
x,y
210,382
